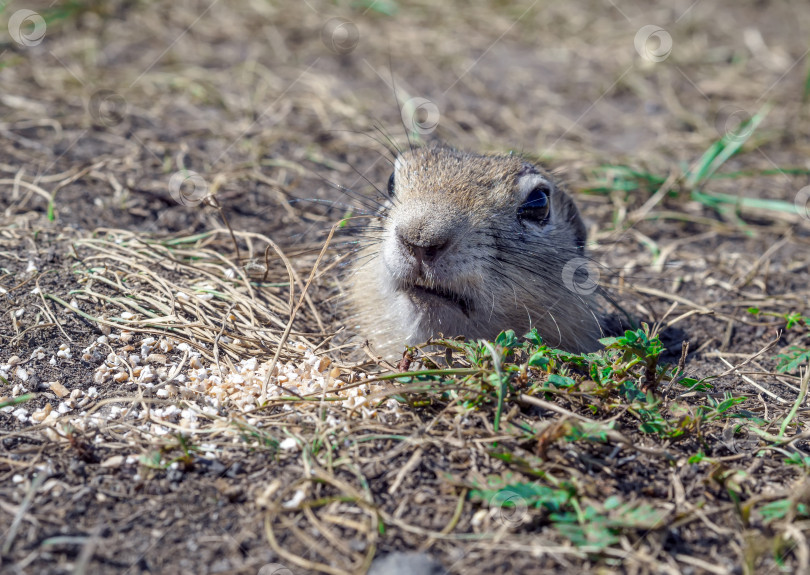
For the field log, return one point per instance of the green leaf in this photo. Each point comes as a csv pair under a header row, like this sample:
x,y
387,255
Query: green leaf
x,y
539,360
793,318
561,380
385,7
16,400
588,535
728,403
719,152
695,384
534,337
790,361
507,340
697,457
523,495
775,510
798,459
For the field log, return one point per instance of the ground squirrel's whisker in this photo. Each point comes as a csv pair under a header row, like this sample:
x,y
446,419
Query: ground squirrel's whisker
x,y
472,245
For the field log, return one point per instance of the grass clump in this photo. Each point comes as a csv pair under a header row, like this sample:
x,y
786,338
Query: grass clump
x,y
694,180
610,399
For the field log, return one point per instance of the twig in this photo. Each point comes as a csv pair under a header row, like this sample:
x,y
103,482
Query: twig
x,y
293,313
23,508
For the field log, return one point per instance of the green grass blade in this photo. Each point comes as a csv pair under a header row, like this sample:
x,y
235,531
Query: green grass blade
x,y
719,152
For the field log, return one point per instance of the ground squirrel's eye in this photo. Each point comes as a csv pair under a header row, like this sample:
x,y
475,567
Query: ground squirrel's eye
x,y
391,186
536,207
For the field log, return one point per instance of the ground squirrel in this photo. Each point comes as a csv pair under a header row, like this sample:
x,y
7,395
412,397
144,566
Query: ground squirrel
x,y
472,245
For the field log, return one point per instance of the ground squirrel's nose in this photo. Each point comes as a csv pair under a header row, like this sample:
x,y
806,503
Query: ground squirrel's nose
x,y
422,249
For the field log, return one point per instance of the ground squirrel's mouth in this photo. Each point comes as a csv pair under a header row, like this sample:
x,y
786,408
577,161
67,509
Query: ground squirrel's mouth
x,y
427,294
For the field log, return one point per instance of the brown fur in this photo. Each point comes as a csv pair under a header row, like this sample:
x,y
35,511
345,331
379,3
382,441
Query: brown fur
x,y
460,211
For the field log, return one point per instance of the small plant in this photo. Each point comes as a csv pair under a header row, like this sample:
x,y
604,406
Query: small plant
x,y
625,375
154,459
584,522
693,180
781,508
795,356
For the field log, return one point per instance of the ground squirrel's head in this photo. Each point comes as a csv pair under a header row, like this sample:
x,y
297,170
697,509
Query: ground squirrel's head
x,y
472,245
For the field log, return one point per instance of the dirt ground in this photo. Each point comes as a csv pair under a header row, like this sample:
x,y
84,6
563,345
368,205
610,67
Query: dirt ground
x,y
133,133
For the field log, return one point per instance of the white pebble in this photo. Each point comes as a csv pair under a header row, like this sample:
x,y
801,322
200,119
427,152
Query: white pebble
x,y
295,501
101,375
289,444
171,411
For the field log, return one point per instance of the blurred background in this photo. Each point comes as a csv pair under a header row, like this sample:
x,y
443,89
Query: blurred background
x,y
261,101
